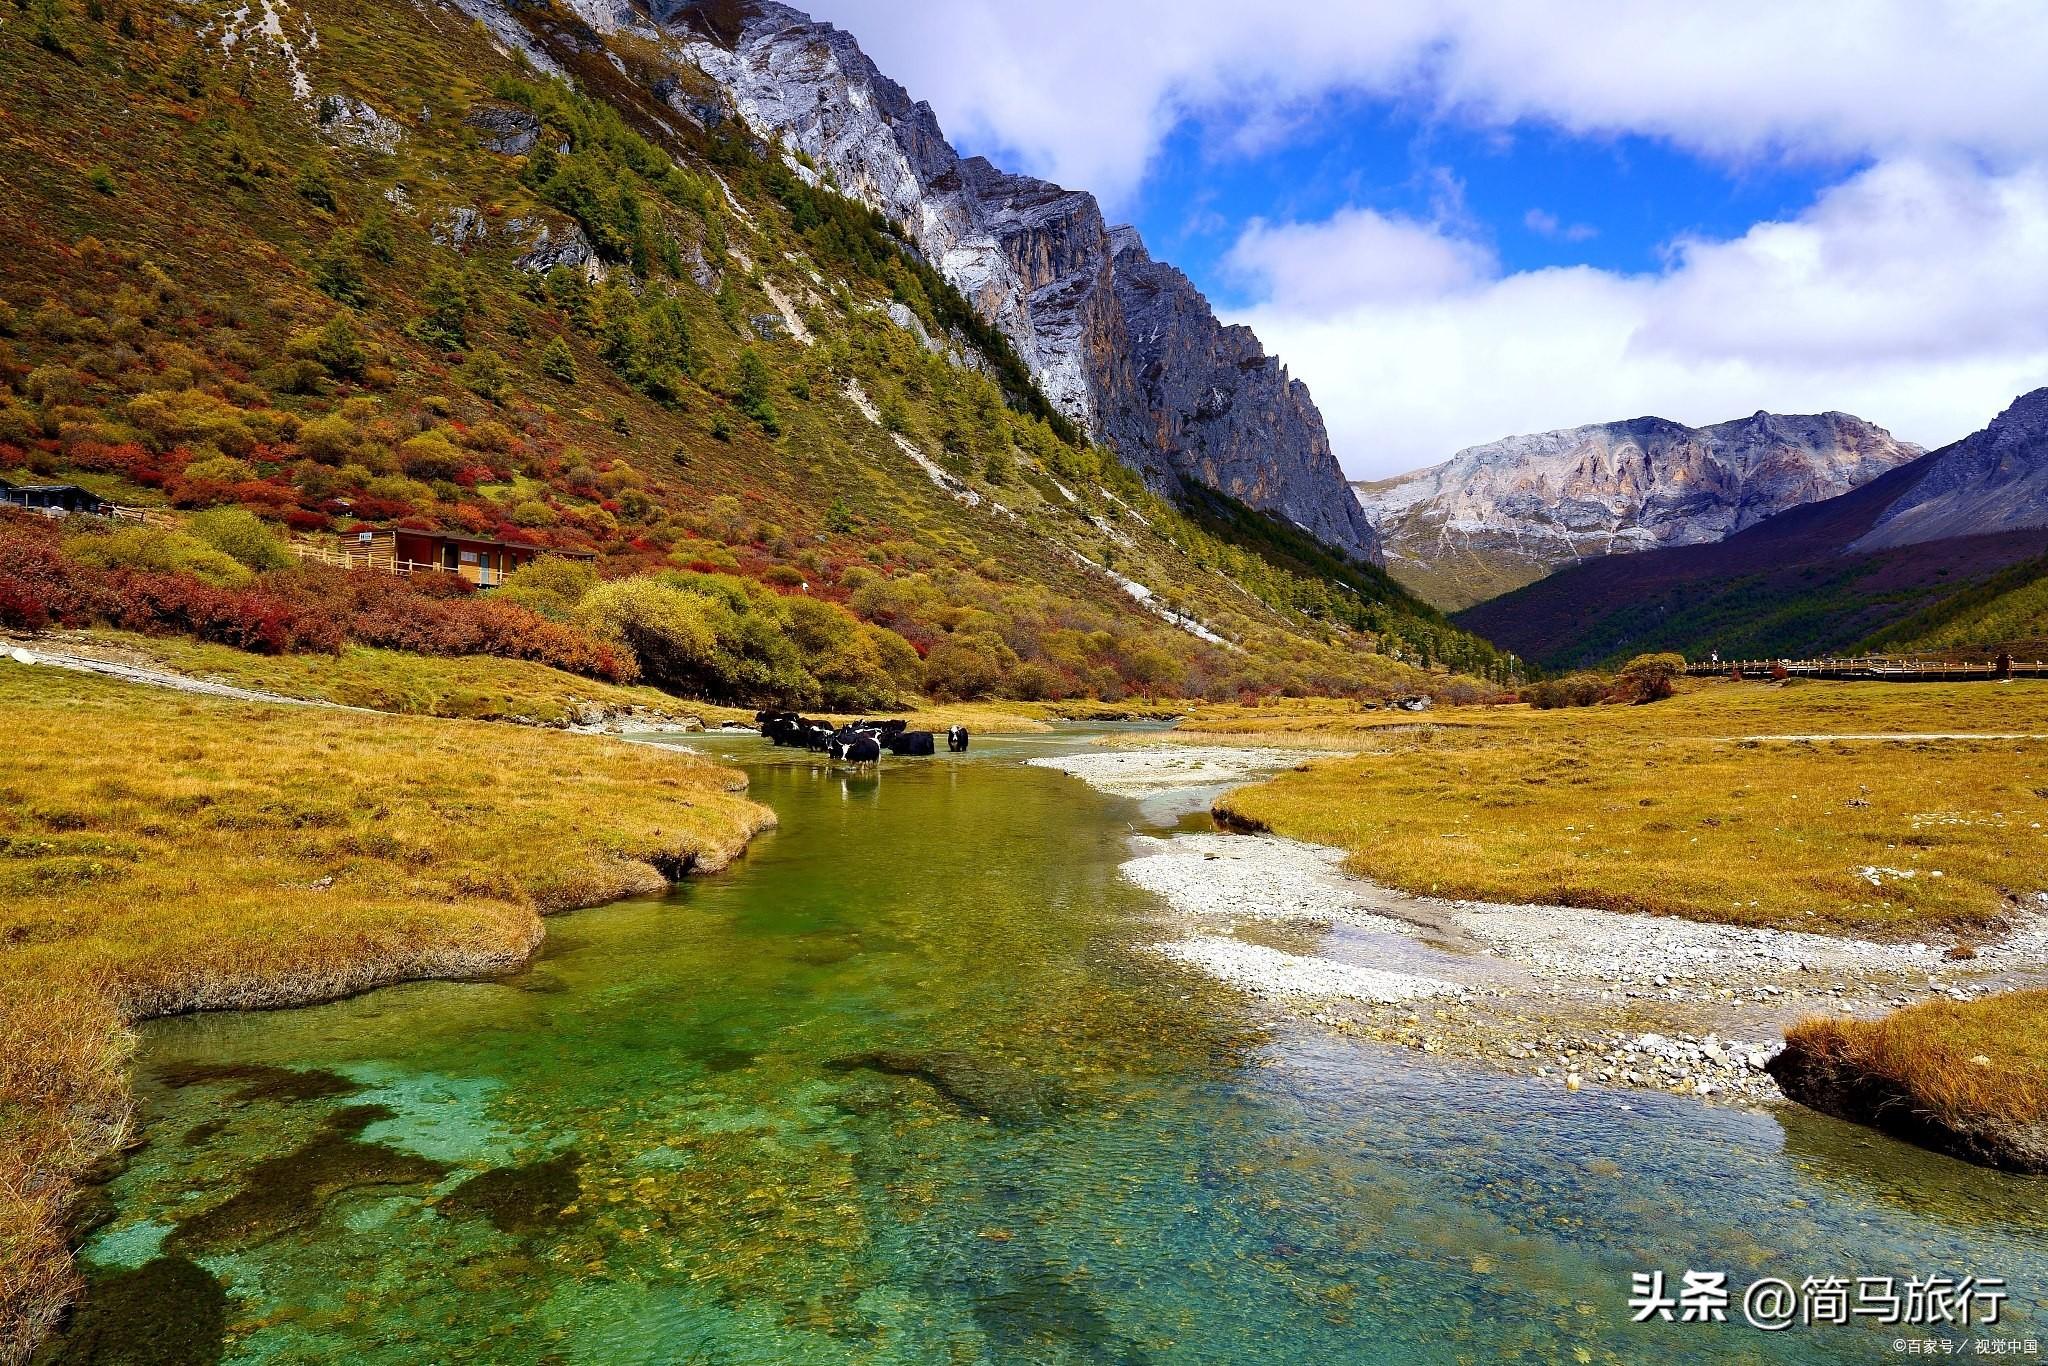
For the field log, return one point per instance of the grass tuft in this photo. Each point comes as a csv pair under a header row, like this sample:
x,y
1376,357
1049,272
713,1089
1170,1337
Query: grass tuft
x,y
1679,808
1969,1078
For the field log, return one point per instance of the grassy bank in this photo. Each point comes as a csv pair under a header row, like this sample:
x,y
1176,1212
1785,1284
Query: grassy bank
x,y
469,687
1672,809
1967,1078
485,688
161,852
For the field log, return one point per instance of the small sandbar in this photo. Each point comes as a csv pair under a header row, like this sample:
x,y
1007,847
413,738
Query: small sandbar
x,y
1255,878
1142,770
1263,971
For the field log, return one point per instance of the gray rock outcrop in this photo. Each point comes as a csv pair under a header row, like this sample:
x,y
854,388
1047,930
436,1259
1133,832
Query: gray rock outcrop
x,y
1496,516
501,128
1212,406
1993,480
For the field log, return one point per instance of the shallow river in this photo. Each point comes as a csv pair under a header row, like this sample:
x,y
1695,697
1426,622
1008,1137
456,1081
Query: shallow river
x,y
903,1085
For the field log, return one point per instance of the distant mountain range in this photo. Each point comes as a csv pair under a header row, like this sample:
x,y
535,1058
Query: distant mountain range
x,y
1498,516
1911,556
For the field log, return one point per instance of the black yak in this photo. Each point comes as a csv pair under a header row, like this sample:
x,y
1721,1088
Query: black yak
x,y
855,748
914,743
956,739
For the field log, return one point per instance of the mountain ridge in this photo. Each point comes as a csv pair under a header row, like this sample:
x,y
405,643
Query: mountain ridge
x,y
1505,513
1820,577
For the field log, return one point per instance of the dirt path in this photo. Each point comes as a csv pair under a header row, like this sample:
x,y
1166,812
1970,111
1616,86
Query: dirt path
x,y
20,652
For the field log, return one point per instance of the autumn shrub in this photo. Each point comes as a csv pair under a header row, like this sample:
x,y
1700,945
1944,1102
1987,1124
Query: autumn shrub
x,y
431,455
242,535
156,581
726,638
1573,690
553,586
256,619
962,669
155,550
1648,678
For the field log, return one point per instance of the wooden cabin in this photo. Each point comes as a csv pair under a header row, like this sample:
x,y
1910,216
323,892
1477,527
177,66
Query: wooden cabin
x,y
51,497
482,560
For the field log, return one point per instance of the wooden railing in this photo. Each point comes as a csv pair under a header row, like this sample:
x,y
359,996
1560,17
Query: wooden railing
x,y
345,558
1882,668
147,516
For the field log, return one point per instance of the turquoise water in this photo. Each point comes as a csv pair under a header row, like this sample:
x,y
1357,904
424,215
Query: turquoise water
x,y
902,1086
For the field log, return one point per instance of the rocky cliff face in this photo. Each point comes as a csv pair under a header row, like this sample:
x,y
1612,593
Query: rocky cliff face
x,y
1994,480
1124,345
1497,516
1212,406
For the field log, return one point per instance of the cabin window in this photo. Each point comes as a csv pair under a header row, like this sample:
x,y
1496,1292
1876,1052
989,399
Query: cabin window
x,y
471,557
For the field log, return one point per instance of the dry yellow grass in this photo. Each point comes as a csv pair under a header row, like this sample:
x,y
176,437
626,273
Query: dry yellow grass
x,y
162,852
1703,708
470,687
1666,809
482,688
1968,1077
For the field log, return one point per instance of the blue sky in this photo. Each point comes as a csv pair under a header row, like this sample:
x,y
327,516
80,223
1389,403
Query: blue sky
x,y
1459,219
1537,197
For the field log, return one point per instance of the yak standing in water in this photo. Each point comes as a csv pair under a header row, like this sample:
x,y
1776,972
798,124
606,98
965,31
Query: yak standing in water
x,y
911,743
855,747
861,742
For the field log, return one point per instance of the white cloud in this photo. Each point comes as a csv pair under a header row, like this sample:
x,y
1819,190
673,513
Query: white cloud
x,y
1084,92
1358,256
1544,223
1914,294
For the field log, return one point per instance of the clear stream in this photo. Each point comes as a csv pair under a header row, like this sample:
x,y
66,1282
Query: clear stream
x,y
903,1086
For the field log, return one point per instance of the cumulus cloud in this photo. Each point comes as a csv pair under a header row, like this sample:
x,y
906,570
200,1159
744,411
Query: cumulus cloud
x,y
1914,294
1084,92
1358,256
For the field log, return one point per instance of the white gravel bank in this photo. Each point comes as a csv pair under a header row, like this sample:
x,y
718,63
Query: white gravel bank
x,y
1254,878
1269,972
1578,996
1146,769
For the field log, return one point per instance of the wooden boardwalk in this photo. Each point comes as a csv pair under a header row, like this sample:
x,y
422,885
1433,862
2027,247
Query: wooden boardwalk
x,y
1880,669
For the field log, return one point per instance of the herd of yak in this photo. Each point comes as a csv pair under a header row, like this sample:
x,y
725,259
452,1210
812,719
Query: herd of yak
x,y
860,742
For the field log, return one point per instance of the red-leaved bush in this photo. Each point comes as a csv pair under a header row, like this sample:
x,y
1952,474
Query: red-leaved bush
x,y
310,608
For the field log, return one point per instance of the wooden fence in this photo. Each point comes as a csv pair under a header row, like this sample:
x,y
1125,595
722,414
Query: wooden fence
x,y
1883,669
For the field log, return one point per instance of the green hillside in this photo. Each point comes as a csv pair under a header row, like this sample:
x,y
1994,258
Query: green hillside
x,y
2006,612
302,278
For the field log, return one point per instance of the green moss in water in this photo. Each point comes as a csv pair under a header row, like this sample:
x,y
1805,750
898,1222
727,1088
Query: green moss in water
x,y
289,1192
520,1200
203,1132
256,1081
166,1312
1004,1094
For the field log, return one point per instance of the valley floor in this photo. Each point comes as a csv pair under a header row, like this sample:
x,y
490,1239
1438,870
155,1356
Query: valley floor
x,y
1643,897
